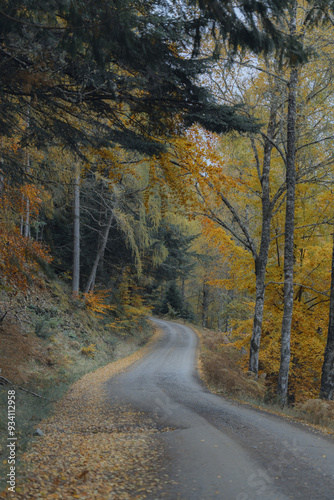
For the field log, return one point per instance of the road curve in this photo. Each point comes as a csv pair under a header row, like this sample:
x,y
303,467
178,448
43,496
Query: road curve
x,y
217,449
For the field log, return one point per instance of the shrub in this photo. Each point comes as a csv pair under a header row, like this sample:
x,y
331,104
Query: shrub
x,y
89,351
318,410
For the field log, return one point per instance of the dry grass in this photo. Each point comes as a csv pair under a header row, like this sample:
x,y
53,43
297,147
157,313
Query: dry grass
x,y
218,366
220,370
16,347
318,411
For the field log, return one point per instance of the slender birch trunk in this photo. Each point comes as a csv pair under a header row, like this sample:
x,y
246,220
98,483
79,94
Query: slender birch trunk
x,y
76,233
205,304
260,272
100,253
220,313
327,377
283,377
22,219
27,220
262,257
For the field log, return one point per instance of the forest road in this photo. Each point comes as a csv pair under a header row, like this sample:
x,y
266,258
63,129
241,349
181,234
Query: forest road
x,y
214,448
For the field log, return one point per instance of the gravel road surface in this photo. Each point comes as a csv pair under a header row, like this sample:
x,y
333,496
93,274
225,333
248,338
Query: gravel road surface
x,y
214,448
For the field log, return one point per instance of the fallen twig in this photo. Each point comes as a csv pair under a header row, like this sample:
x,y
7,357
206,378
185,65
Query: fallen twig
x,y
21,388
3,316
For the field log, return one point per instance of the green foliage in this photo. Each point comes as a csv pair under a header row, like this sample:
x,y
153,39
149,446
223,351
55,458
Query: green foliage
x,y
188,313
172,301
174,305
46,321
179,261
251,24
42,328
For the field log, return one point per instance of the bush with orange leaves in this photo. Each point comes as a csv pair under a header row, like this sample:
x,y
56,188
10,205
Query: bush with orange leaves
x,y
95,302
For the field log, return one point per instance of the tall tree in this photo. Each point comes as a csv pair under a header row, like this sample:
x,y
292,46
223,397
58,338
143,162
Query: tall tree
x,y
282,387
327,377
267,206
76,231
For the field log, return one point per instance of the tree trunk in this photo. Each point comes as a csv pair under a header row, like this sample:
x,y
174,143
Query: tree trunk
x,y
2,178
100,252
220,318
27,201
283,377
260,270
262,258
205,305
327,377
27,220
76,233
183,290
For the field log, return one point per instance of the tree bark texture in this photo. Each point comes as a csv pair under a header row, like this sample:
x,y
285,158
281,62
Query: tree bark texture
x,y
327,377
283,377
205,305
27,202
76,233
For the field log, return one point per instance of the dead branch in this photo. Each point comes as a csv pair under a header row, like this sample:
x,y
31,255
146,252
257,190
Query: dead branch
x,y
21,388
3,316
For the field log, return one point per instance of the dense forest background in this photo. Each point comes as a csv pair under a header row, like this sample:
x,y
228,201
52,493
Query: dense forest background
x,y
176,158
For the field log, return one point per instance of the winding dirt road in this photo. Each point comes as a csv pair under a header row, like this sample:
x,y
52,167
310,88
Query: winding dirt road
x,y
215,449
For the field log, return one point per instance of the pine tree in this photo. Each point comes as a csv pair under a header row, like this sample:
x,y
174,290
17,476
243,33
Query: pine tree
x,y
172,302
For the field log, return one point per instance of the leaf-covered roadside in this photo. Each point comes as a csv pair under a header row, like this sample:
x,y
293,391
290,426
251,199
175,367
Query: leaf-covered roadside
x,y
91,449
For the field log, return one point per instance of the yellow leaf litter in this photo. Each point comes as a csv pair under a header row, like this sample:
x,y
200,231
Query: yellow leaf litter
x,y
91,449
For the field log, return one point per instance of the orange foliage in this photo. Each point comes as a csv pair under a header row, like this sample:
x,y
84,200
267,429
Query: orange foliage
x,y
19,256
19,259
32,194
95,302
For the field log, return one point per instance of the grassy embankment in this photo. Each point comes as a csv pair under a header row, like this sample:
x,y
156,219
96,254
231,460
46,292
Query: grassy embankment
x,y
48,341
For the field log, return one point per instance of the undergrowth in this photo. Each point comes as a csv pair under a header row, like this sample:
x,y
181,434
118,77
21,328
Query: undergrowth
x,y
219,364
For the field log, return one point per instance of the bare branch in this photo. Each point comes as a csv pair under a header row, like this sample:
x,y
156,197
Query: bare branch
x,y
298,284
258,68
315,142
276,146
